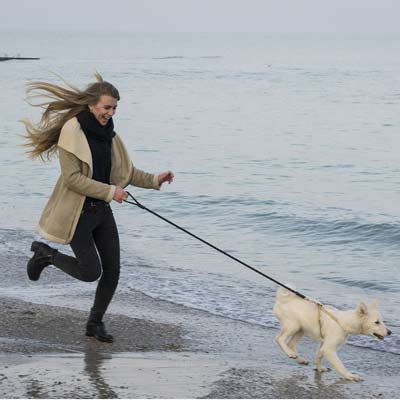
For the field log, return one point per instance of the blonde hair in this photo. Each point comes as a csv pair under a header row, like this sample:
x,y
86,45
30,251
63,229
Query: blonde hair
x,y
61,104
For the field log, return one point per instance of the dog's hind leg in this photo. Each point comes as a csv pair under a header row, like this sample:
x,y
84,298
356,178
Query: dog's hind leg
x,y
293,343
320,356
285,333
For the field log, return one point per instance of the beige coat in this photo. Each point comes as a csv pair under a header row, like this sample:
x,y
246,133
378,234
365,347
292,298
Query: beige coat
x,y
61,213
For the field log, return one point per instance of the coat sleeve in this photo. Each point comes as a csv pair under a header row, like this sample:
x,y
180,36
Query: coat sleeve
x,y
143,179
75,180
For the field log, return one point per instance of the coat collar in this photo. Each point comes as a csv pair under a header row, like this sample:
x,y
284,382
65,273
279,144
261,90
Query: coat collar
x,y
73,139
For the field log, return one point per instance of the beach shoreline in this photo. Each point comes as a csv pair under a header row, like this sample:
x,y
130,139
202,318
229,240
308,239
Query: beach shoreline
x,y
44,353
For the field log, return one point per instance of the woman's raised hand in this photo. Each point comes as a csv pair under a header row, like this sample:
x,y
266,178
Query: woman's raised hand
x,y
120,195
167,176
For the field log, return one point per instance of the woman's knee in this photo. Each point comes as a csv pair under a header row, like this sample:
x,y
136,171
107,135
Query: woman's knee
x,y
111,275
90,274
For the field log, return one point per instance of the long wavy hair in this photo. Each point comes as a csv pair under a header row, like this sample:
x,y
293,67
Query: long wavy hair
x,y
60,105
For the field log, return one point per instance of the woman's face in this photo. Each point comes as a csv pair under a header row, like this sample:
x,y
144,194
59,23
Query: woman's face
x,y
104,109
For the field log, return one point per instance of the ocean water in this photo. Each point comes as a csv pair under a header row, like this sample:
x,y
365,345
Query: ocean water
x,y
285,154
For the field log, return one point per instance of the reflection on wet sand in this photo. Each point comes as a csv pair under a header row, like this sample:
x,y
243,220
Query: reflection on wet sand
x,y
34,389
93,361
74,375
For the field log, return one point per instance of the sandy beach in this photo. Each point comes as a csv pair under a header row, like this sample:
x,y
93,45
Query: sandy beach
x,y
168,351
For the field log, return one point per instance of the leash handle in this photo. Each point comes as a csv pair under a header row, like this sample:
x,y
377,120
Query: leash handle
x,y
135,202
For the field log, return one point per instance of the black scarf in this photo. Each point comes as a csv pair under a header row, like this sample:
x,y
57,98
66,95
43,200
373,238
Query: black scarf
x,y
99,138
93,128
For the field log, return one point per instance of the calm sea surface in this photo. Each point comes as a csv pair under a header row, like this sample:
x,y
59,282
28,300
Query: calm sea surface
x,y
285,152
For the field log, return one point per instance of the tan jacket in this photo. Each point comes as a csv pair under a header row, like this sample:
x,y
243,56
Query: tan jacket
x,y
61,214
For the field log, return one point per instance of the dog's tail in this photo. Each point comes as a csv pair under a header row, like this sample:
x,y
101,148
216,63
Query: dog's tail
x,y
284,295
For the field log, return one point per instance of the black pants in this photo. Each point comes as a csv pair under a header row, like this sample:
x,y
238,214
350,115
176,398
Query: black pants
x,y
96,247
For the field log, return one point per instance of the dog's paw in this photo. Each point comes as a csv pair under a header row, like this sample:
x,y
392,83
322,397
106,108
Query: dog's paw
x,y
352,377
302,361
292,354
322,369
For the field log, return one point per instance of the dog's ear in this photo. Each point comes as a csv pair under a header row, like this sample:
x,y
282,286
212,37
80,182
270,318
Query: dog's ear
x,y
375,304
362,309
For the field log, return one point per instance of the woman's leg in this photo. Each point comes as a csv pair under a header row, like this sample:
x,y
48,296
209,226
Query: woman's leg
x,y
96,228
106,239
86,265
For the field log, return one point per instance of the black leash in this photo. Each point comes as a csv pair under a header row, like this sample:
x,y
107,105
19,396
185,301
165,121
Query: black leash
x,y
136,203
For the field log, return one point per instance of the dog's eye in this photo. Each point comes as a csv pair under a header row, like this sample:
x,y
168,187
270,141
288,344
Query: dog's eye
x,y
377,322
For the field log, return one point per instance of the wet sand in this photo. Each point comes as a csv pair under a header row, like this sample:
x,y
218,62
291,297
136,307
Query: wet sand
x,y
45,355
162,350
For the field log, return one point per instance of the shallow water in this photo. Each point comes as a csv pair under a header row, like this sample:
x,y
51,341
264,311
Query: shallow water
x,y
285,152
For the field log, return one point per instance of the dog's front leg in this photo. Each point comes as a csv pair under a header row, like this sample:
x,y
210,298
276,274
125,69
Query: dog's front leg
x,y
320,356
330,354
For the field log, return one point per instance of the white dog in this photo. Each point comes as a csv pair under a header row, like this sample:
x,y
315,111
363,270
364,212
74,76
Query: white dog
x,y
300,317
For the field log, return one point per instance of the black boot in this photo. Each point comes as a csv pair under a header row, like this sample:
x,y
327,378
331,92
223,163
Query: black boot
x,y
98,331
43,257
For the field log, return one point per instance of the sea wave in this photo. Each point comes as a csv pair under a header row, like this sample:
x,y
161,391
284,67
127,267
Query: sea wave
x,y
318,226
381,286
338,232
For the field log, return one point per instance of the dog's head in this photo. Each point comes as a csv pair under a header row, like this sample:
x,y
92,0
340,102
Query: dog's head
x,y
372,323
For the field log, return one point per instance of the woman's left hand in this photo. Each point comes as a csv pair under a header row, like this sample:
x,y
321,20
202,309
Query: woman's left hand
x,y
166,177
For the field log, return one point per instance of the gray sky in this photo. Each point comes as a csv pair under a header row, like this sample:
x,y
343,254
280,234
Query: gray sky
x,y
270,16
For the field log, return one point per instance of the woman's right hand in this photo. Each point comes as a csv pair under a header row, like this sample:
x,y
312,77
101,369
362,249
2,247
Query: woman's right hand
x,y
120,195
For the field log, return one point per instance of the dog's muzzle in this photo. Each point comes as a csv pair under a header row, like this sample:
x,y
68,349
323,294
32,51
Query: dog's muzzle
x,y
381,337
